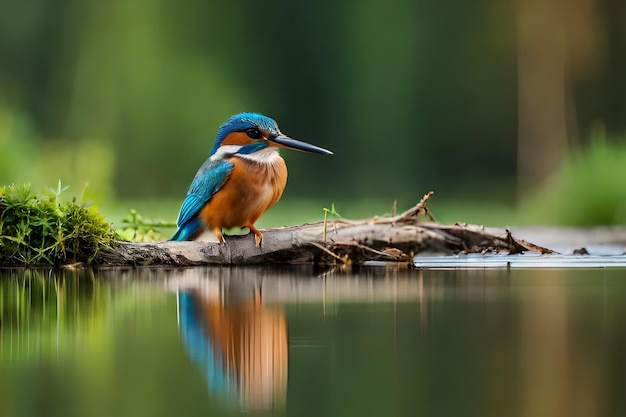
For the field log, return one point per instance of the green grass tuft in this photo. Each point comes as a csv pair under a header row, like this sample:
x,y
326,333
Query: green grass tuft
x,y
589,190
44,230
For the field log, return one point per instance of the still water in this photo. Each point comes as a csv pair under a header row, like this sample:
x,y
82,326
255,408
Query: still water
x,y
299,342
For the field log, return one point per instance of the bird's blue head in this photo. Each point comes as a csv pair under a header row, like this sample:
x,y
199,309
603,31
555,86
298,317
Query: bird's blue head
x,y
247,133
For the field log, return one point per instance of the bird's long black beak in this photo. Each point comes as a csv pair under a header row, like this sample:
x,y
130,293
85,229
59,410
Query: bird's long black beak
x,y
286,142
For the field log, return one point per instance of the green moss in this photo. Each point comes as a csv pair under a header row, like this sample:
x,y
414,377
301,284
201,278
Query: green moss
x,y
38,230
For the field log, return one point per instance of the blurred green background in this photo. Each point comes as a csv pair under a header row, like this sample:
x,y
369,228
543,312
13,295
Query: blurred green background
x,y
513,112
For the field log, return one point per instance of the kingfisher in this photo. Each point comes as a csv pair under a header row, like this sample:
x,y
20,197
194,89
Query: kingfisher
x,y
242,178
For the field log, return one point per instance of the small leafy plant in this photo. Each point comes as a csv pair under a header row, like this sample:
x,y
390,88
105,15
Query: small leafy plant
x,y
44,230
138,229
332,212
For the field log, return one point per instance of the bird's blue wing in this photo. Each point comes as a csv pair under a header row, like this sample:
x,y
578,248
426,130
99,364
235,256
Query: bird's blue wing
x,y
210,178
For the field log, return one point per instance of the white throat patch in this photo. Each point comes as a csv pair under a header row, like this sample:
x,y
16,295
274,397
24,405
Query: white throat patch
x,y
264,156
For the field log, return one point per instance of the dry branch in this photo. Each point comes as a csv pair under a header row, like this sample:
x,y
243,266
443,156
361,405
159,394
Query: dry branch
x,y
390,239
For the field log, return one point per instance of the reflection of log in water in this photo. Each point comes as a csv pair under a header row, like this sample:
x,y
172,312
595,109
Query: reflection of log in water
x,y
295,284
240,344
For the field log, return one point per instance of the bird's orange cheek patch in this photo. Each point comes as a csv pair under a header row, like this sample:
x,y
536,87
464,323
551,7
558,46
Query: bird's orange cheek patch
x,y
237,138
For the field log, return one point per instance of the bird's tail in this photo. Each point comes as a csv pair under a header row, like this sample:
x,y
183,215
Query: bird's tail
x,y
187,230
176,236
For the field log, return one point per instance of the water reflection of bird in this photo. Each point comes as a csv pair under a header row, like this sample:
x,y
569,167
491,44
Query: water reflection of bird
x,y
239,344
243,177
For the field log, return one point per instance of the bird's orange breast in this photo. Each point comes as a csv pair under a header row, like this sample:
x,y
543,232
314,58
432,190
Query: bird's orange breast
x,y
251,189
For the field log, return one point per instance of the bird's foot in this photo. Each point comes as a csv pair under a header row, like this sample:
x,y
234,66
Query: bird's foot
x,y
219,236
258,236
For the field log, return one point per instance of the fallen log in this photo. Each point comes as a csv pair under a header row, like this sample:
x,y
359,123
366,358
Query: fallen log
x,y
389,239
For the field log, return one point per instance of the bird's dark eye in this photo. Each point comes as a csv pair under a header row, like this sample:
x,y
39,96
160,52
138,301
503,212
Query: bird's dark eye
x,y
254,133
